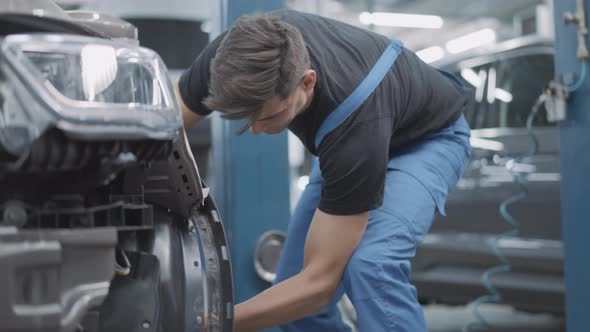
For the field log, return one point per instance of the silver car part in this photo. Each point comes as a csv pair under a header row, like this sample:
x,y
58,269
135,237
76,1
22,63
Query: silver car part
x,y
111,26
53,277
90,88
266,256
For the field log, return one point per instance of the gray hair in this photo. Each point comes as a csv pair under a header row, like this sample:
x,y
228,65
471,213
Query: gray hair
x,y
260,57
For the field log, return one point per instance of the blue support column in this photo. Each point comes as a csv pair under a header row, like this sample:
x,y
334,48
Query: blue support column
x,y
575,171
251,176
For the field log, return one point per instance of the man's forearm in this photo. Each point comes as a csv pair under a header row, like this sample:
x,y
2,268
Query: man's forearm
x,y
294,298
324,262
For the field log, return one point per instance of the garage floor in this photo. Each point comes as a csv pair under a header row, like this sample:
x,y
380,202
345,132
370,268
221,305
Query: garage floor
x,y
444,318
441,318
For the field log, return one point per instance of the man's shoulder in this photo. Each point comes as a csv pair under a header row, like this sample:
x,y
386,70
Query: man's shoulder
x,y
299,16
292,15
290,12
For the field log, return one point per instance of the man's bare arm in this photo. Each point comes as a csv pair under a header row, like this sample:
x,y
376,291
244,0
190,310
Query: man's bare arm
x,y
189,117
329,245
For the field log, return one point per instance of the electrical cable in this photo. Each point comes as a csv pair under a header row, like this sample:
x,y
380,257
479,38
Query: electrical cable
x,y
518,177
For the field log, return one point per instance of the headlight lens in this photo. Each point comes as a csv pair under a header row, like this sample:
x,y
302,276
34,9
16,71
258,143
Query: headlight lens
x,y
86,81
99,73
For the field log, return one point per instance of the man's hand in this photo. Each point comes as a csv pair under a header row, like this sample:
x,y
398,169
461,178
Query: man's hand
x,y
330,243
189,118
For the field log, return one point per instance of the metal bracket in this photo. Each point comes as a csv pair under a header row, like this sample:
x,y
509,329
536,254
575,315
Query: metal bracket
x,y
579,20
556,95
175,183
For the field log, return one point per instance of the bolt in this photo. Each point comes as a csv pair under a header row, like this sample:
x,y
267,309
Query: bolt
x,y
569,18
14,214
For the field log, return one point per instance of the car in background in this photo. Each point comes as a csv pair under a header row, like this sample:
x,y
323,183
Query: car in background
x,y
506,80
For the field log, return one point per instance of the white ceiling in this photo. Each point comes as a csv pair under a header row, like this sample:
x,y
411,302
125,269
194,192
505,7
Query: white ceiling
x,y
460,16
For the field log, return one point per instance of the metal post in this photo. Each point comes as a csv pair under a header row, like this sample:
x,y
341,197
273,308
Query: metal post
x,y
575,171
251,175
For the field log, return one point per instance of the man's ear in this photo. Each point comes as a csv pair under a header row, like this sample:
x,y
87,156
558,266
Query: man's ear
x,y
309,79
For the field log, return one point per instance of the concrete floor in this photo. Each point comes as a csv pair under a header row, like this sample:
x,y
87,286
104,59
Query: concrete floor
x,y
441,318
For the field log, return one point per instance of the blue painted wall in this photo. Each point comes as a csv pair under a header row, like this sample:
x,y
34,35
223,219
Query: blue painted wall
x,y
575,175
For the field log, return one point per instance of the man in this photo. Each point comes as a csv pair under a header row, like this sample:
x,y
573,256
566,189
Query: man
x,y
391,142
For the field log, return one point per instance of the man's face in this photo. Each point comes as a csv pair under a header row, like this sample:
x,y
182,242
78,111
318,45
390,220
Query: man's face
x,y
277,113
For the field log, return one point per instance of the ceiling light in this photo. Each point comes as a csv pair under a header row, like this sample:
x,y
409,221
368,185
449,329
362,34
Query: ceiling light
x,y
401,20
503,95
470,76
477,81
492,86
483,75
472,40
487,144
431,54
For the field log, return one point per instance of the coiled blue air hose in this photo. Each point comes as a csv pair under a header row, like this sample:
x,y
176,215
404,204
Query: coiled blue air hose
x,y
581,79
519,179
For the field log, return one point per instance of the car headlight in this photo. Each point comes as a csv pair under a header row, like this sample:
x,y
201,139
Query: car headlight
x,y
90,88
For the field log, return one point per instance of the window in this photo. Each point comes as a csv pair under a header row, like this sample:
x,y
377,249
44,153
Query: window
x,y
506,90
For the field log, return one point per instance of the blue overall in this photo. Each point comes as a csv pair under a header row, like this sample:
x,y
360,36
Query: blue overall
x,y
377,277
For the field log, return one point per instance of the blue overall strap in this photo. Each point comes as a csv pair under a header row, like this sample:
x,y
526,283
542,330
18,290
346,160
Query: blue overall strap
x,y
361,93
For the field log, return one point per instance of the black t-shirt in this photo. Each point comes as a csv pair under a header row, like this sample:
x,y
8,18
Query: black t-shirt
x,y
412,101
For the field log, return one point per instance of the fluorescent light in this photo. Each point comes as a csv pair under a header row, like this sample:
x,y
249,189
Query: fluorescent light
x,y
503,95
477,81
402,20
513,165
483,75
431,54
486,144
470,76
472,40
492,86
544,177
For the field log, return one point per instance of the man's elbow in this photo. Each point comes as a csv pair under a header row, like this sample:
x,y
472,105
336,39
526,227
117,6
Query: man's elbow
x,y
189,118
322,288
